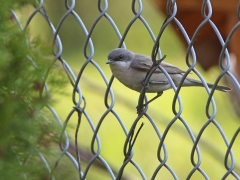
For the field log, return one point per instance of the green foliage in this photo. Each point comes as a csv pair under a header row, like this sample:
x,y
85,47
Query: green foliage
x,y
25,130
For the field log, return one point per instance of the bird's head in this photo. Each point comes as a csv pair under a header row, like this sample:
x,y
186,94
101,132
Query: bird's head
x,y
120,56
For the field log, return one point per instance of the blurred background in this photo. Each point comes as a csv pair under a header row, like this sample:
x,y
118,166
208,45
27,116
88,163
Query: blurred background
x,y
112,137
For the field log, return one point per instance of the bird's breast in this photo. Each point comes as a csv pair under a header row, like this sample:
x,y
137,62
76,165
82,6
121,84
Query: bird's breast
x,y
128,76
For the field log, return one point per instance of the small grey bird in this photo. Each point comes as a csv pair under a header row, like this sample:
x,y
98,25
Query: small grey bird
x,y
131,69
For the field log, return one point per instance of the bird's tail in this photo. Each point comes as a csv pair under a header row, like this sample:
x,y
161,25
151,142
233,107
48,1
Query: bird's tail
x,y
218,87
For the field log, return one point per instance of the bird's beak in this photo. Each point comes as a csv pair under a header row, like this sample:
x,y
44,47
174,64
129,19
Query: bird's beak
x,y
109,61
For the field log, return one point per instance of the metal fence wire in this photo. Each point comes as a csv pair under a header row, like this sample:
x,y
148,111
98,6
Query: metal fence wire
x,y
92,157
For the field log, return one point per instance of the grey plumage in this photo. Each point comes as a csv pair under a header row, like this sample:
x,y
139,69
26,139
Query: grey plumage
x,y
131,68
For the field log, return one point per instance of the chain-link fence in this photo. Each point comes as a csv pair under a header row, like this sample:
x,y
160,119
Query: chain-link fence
x,y
122,153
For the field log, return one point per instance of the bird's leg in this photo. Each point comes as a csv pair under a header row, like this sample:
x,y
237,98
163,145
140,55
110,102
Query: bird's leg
x,y
158,95
140,109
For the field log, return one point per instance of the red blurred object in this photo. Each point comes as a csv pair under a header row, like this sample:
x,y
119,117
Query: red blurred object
x,y
207,45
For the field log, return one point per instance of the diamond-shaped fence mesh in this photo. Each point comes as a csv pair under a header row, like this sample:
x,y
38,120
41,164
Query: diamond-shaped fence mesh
x,y
102,135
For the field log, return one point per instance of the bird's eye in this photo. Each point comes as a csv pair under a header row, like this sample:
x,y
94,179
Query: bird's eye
x,y
121,57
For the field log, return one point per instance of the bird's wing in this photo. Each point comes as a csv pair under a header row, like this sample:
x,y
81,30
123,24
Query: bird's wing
x,y
171,69
144,63
159,82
